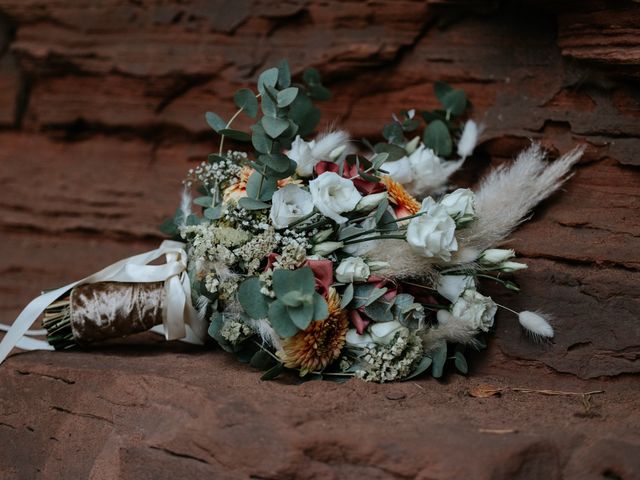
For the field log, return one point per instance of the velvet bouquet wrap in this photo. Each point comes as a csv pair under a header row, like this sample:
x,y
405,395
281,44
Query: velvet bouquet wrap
x,y
319,254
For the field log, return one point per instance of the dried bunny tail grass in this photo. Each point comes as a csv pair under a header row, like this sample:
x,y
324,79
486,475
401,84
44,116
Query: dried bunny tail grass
x,y
328,142
508,194
403,261
185,206
453,330
201,306
536,325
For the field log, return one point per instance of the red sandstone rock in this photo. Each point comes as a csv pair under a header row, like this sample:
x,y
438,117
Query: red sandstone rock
x,y
101,110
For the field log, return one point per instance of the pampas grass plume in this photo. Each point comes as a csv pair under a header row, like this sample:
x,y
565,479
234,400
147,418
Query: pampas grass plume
x,y
535,324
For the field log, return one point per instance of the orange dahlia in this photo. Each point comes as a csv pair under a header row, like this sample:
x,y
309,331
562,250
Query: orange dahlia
x,y
239,189
403,203
320,344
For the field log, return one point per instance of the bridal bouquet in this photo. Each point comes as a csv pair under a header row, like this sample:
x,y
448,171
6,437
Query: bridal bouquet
x,y
326,256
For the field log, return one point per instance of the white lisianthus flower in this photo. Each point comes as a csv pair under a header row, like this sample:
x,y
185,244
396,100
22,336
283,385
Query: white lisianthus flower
x,y
400,170
354,339
422,171
469,139
496,255
508,267
369,202
382,332
288,204
433,233
475,310
460,204
452,286
352,269
333,195
326,147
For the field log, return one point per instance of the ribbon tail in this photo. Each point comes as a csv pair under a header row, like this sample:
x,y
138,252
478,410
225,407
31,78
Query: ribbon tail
x,y
27,318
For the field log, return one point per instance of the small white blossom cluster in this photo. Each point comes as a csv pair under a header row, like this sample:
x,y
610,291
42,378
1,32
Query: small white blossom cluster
x,y
254,221
293,255
255,250
212,243
234,331
393,361
218,173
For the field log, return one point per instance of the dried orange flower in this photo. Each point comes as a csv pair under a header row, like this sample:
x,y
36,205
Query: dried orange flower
x,y
320,344
403,203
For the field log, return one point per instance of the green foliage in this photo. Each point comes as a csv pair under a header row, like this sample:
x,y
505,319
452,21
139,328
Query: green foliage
x,y
252,300
246,100
297,304
439,357
437,137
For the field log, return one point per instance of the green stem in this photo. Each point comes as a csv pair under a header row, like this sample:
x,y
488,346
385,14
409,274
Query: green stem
x,y
317,224
409,217
235,115
303,219
381,237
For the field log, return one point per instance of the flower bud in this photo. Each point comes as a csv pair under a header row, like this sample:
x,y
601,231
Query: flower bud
x,y
512,266
411,146
375,265
496,255
322,235
325,248
352,269
370,202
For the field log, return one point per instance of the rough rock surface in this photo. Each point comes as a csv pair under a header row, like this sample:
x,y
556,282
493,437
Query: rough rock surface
x,y
101,113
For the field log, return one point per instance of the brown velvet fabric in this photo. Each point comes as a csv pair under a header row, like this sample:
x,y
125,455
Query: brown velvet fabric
x,y
104,310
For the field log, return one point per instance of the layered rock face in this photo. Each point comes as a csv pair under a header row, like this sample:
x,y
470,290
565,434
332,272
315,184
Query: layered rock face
x,y
101,114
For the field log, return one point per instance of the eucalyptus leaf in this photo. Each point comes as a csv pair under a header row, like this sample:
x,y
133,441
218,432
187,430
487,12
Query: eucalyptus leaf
x,y
277,162
274,126
252,204
259,139
262,360
268,106
320,307
395,152
422,367
439,357
441,89
301,280
252,300
287,96
301,315
437,137
247,101
455,102
268,78
235,135
280,320
304,114
260,187
273,372
311,76
393,133
347,296
461,363
284,74
214,213
204,201
214,121
381,209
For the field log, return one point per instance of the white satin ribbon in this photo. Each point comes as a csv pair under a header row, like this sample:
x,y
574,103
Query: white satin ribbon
x,y
178,313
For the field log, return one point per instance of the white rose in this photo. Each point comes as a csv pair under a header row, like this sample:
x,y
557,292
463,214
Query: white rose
x,y
433,233
475,309
452,286
460,203
328,146
333,195
289,204
496,255
468,139
352,269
